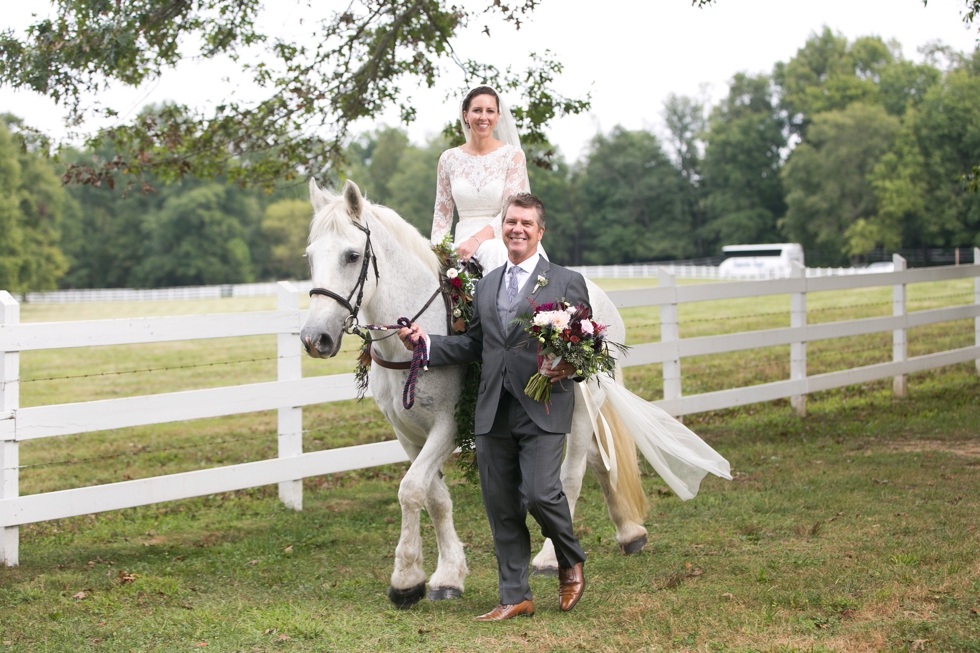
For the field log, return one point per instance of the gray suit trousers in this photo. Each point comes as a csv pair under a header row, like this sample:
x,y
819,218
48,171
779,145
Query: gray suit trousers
x,y
520,467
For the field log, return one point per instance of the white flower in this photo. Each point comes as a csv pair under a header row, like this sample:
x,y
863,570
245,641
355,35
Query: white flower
x,y
555,319
571,310
542,282
457,313
452,273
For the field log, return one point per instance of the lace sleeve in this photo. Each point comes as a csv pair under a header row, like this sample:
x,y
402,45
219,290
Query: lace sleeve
x,y
442,216
515,182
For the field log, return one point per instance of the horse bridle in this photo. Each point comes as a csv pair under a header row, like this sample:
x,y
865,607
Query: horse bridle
x,y
350,324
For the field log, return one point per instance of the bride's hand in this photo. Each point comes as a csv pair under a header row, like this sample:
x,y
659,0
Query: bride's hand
x,y
467,248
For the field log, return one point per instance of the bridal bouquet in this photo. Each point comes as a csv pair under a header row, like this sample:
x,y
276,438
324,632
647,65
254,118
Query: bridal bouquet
x,y
566,333
460,281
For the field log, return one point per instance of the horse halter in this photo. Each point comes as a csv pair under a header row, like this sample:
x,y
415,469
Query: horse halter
x,y
350,324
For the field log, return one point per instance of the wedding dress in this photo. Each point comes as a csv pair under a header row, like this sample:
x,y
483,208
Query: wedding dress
x,y
477,187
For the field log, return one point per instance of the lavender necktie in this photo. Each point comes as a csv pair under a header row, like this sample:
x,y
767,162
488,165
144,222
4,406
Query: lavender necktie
x,y
512,288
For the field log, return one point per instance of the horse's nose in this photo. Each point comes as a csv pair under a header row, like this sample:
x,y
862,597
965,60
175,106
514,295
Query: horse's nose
x,y
317,345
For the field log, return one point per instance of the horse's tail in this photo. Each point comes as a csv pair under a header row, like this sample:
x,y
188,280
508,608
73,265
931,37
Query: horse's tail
x,y
629,489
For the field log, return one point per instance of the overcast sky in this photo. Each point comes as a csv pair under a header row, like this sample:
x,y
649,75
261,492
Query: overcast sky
x,y
629,54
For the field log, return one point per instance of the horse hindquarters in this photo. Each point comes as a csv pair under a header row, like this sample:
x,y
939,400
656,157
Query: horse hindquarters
x,y
545,563
626,503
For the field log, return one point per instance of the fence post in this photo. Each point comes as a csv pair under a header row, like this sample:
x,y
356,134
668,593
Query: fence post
x,y
976,300
290,368
797,350
670,333
899,342
9,403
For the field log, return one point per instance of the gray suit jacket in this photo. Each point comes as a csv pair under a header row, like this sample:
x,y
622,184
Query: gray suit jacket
x,y
507,350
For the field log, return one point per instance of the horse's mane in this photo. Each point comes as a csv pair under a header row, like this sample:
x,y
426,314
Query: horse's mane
x,y
335,219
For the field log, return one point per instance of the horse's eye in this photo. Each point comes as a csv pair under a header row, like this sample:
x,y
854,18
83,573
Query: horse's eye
x,y
352,257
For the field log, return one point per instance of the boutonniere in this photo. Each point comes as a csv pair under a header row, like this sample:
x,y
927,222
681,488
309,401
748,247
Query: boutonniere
x,y
542,282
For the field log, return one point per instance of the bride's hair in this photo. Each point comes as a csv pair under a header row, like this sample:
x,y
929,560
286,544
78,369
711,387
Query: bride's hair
x,y
480,90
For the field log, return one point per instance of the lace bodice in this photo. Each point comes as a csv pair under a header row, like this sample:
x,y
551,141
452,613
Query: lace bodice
x,y
476,186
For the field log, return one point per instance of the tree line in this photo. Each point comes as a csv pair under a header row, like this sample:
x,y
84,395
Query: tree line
x,y
846,148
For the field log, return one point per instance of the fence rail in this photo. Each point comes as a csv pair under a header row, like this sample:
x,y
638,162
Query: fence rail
x,y
190,293
290,392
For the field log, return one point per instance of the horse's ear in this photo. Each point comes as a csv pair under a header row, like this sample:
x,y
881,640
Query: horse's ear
x,y
318,197
352,196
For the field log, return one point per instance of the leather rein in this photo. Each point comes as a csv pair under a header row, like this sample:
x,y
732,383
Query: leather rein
x,y
351,325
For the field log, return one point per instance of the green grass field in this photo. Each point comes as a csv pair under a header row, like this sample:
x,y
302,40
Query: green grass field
x,y
853,529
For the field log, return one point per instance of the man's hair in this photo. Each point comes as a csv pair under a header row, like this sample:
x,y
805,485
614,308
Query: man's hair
x,y
525,201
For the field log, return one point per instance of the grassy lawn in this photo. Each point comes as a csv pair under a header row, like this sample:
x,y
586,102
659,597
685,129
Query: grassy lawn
x,y
853,529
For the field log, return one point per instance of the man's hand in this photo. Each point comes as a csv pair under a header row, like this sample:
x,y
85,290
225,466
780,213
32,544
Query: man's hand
x,y
411,335
559,372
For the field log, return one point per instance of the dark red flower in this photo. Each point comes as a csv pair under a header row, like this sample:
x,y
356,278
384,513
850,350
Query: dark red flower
x,y
456,282
573,339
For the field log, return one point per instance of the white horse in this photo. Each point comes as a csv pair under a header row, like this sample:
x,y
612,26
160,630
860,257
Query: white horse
x,y
345,233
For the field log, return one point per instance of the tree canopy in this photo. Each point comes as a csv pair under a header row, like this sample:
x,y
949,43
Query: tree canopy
x,y
32,204
844,89
357,66
742,187
851,175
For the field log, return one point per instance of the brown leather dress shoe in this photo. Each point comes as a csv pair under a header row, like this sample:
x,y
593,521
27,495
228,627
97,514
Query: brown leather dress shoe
x,y
571,584
501,612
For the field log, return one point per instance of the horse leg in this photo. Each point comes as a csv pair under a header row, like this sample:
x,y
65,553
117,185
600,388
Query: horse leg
x,y
408,578
447,581
630,533
545,563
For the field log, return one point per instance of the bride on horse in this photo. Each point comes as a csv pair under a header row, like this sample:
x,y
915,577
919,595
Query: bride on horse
x,y
366,260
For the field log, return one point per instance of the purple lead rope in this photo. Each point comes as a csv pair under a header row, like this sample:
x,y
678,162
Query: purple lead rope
x,y
420,359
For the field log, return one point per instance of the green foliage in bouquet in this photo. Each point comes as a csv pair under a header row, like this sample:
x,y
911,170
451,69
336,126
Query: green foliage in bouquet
x,y
566,333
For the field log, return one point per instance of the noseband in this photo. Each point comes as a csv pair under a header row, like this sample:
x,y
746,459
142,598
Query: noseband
x,y
350,324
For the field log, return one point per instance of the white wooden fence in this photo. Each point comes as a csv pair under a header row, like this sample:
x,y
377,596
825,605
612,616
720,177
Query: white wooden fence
x,y
291,391
270,289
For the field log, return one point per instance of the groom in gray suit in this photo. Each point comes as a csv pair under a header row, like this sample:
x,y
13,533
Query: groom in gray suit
x,y
519,441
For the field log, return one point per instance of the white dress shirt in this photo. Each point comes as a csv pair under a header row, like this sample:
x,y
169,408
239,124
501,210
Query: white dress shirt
x,y
524,268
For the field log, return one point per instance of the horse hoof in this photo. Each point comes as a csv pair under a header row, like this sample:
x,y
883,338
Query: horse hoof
x,y
406,598
547,572
444,593
634,547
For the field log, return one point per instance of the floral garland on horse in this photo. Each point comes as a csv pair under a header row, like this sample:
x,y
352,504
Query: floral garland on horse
x,y
457,281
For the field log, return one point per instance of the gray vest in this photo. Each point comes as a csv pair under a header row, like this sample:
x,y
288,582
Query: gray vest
x,y
507,310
